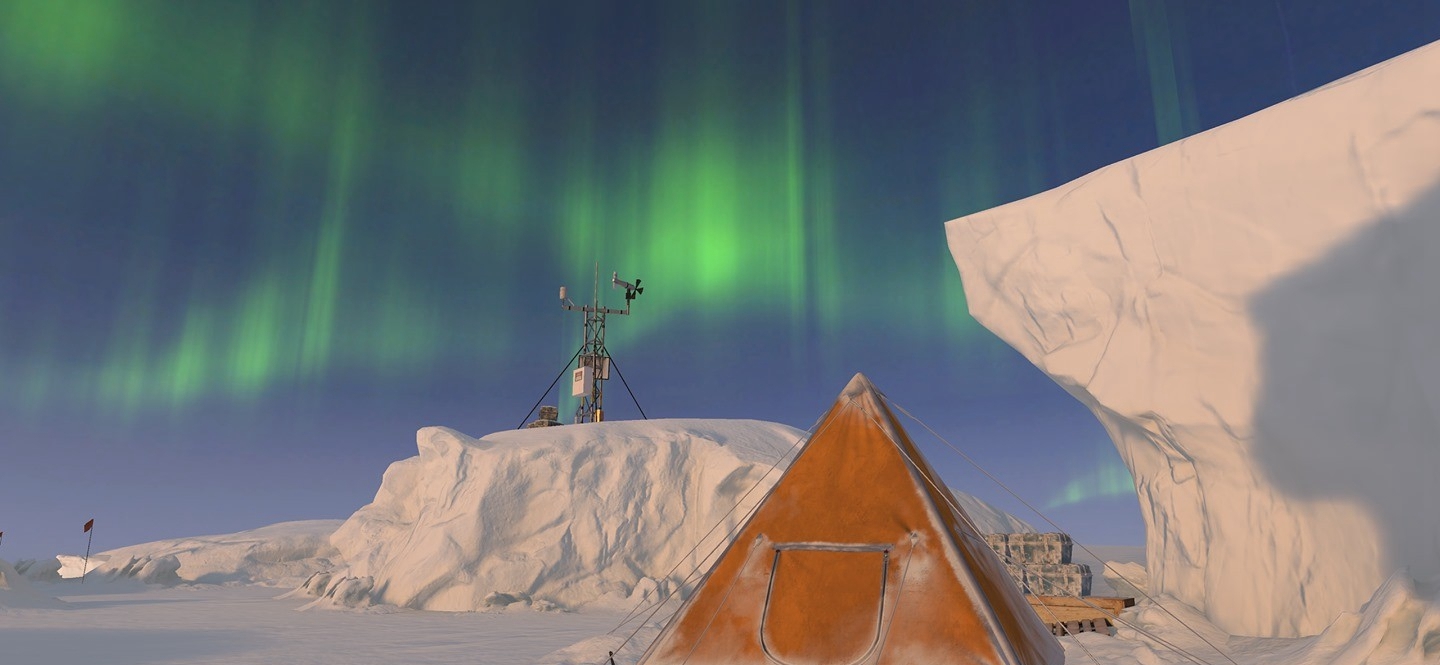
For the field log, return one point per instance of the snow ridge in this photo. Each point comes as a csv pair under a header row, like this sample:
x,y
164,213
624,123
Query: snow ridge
x,y
283,554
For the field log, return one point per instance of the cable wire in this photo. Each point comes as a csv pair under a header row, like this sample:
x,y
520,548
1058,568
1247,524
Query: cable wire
x,y
625,383
552,386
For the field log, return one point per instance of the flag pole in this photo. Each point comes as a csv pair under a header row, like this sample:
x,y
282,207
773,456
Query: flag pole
x,y
85,567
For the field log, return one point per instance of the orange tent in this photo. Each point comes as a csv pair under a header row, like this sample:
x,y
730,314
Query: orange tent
x,y
857,555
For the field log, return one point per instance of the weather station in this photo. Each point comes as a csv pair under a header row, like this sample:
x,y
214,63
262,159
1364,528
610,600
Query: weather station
x,y
593,363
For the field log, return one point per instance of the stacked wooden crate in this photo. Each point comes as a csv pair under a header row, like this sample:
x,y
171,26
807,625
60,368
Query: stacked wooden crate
x,y
1040,562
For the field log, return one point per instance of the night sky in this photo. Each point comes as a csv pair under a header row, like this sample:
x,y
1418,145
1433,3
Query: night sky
x,y
247,249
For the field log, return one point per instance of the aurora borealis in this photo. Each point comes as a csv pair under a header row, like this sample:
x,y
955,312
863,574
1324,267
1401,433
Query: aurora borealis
x,y
272,237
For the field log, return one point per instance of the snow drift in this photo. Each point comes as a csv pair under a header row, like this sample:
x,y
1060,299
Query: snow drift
x,y
581,515
39,570
284,554
1252,313
75,566
17,593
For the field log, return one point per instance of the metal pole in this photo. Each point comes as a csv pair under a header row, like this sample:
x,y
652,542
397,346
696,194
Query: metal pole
x,y
85,567
596,391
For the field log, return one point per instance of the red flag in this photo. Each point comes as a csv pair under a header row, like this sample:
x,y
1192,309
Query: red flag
x,y
89,525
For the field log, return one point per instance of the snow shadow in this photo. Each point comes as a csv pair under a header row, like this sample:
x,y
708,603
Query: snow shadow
x,y
1349,408
83,604
63,646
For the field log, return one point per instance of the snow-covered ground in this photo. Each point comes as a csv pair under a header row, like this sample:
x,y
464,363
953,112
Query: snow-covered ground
x,y
125,622
132,624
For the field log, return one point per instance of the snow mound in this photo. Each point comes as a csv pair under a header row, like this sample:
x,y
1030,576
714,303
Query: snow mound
x,y
17,593
39,570
75,566
1251,314
988,518
598,515
1397,627
1126,579
282,554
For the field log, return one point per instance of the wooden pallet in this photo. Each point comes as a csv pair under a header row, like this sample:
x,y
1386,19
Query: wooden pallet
x,y
1069,628
1066,615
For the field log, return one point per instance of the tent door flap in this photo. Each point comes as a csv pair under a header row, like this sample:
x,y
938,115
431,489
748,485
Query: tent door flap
x,y
825,602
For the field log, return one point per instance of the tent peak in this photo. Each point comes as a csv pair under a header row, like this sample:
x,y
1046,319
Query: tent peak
x,y
862,394
859,385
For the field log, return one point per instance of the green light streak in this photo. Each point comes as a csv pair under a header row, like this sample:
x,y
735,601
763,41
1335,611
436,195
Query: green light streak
x,y
32,378
1109,479
955,309
970,183
190,363
490,168
404,333
827,283
795,168
323,299
293,99
256,351
60,47
1161,48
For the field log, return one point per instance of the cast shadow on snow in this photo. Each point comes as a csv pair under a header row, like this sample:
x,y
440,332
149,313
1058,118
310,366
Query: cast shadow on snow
x,y
58,646
1350,404
79,603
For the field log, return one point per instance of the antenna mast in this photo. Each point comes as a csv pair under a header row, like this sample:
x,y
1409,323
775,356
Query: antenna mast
x,y
593,362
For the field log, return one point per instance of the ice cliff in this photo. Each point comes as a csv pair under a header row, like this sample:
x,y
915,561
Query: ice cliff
x,y
582,515
1253,314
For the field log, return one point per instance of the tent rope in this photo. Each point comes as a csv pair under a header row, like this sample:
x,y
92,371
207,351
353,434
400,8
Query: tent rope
x,y
710,531
954,506
721,605
809,433
655,608
1052,523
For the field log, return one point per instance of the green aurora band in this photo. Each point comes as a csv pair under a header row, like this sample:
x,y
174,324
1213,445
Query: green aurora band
x,y
725,195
